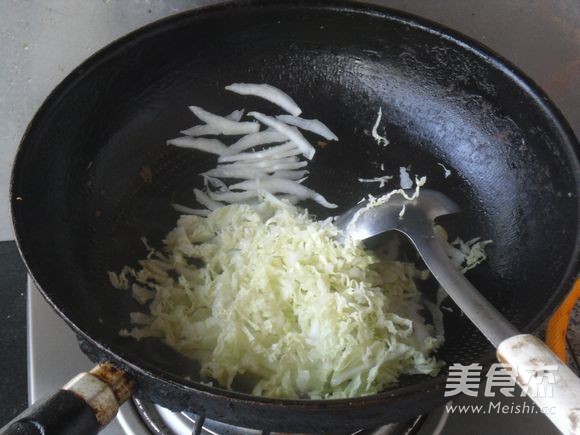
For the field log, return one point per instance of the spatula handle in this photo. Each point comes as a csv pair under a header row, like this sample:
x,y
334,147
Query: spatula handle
x,y
545,378
530,359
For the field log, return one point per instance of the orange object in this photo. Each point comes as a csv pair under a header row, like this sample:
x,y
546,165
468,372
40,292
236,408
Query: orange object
x,y
558,323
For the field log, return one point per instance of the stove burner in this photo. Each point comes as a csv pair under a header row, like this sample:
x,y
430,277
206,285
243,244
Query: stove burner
x,y
161,421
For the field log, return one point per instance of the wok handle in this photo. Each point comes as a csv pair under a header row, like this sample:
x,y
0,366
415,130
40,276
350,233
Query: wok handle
x,y
537,369
83,406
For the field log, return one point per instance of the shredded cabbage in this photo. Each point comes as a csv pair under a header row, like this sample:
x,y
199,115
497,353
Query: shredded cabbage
x,y
275,298
465,255
381,140
381,180
446,172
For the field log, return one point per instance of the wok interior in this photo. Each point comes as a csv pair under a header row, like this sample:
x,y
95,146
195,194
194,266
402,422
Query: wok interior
x,y
86,202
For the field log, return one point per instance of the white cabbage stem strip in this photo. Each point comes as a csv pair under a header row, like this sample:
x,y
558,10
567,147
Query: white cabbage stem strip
x,y
287,149
226,126
207,130
249,173
275,164
278,200
232,197
254,139
284,164
312,125
206,201
188,210
269,93
206,145
236,115
224,171
300,176
279,185
278,165
290,132
215,182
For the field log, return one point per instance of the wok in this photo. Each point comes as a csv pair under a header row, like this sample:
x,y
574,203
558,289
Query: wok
x,y
80,203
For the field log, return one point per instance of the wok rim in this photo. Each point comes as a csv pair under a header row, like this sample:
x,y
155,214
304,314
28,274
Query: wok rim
x,y
570,146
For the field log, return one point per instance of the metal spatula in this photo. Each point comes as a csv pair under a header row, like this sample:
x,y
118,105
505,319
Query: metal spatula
x,y
523,352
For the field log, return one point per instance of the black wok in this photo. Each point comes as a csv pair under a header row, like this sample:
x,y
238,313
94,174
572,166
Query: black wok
x,y
80,203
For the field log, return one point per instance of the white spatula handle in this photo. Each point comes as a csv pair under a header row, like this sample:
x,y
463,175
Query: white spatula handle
x,y
536,367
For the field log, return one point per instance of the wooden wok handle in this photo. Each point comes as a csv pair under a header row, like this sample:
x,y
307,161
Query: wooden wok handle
x,y
82,407
546,379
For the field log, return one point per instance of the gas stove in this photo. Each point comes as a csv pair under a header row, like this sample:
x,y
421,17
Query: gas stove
x,y
54,357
